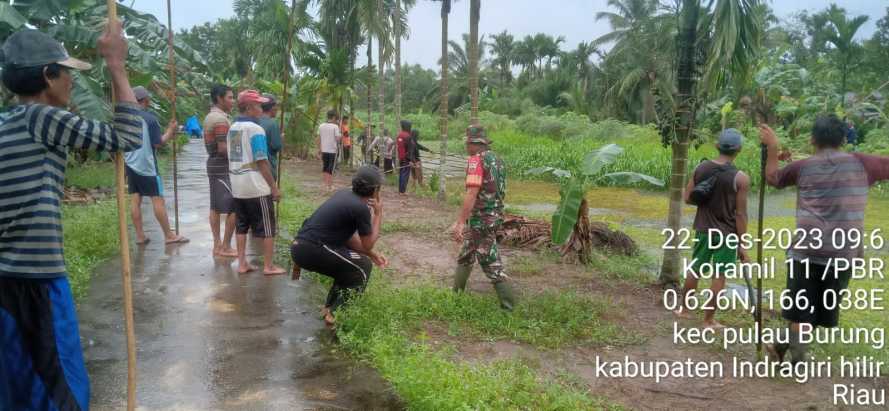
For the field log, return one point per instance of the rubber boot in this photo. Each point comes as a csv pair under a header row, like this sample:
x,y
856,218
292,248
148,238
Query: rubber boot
x,y
504,293
461,275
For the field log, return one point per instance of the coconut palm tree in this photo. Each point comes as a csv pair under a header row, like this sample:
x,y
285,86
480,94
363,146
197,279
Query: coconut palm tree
x,y
642,42
474,16
723,38
503,48
401,9
832,26
443,90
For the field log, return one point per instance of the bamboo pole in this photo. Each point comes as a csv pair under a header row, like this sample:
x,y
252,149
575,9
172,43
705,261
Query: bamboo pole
x,y
173,114
125,256
759,257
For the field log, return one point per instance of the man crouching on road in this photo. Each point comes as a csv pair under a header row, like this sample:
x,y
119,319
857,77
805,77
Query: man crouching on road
x,y
483,207
338,239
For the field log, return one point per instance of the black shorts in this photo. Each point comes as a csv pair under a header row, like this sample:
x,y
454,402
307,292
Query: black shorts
x,y
221,200
347,152
256,214
145,186
387,165
328,160
816,286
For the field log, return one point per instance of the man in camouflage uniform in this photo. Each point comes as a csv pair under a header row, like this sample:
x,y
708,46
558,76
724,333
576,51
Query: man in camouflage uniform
x,y
483,207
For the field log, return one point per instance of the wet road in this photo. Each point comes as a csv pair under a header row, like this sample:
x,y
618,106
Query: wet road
x,y
210,339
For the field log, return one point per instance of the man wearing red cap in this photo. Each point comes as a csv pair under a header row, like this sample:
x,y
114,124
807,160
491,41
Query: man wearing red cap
x,y
253,186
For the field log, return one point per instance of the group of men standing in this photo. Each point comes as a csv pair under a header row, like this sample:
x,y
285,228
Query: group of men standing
x,y
832,190
242,166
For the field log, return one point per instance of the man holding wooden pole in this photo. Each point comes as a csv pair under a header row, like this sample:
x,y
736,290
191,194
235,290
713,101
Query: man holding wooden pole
x,y
41,362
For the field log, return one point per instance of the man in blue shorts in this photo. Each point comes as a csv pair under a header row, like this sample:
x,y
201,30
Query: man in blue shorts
x,y
41,362
143,174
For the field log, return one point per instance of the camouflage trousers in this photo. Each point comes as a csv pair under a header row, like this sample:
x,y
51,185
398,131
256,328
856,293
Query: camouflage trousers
x,y
480,244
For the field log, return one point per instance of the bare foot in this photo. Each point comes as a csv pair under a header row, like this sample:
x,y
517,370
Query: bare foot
x,y
329,319
225,252
273,270
244,270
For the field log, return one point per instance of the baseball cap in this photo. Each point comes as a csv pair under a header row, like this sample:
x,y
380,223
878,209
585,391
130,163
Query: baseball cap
x,y
476,134
367,176
141,92
251,96
32,48
730,139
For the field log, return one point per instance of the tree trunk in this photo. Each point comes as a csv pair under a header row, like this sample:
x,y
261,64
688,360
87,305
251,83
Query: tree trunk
x,y
381,72
398,33
686,112
368,126
443,107
474,16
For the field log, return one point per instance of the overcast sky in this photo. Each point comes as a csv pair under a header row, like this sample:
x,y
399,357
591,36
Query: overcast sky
x,y
573,19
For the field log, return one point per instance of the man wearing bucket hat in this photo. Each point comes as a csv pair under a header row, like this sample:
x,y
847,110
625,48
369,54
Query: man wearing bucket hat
x,y
253,185
483,208
722,213
41,362
143,174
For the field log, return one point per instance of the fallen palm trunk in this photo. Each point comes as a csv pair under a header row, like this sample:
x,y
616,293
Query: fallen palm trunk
x,y
523,232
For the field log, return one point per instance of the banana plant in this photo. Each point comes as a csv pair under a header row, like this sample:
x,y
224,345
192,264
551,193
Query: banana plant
x,y
569,218
78,23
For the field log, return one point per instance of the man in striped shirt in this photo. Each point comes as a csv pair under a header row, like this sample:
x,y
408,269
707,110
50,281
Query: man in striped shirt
x,y
832,188
41,362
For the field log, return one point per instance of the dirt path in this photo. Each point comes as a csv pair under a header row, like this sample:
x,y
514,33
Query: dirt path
x,y
420,250
210,339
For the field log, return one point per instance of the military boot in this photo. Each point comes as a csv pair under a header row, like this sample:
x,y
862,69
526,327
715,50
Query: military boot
x,y
461,275
504,293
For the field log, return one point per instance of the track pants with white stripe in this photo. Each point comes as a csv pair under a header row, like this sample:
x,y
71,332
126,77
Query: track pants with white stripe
x,y
349,270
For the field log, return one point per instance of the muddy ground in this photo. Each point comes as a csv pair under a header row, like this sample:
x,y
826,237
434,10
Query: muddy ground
x,y
420,250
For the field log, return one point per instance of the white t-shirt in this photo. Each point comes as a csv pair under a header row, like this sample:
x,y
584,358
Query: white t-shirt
x,y
247,144
330,135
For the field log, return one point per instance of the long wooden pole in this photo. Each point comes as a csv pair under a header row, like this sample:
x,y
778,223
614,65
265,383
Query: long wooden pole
x,y
125,257
173,83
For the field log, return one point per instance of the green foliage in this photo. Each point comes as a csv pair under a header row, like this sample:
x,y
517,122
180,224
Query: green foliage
x,y
89,239
384,325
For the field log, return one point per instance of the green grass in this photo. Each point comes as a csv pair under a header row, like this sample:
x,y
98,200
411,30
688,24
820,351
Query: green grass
x,y
384,326
89,240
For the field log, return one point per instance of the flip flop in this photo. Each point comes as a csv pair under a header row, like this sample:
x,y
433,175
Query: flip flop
x,y
279,271
146,241
179,240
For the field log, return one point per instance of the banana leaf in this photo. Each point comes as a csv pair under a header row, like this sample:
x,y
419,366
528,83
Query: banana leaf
x,y
629,177
565,217
596,160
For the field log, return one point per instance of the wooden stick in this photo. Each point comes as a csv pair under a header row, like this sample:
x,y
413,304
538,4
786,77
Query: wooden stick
x,y
125,256
759,257
173,114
